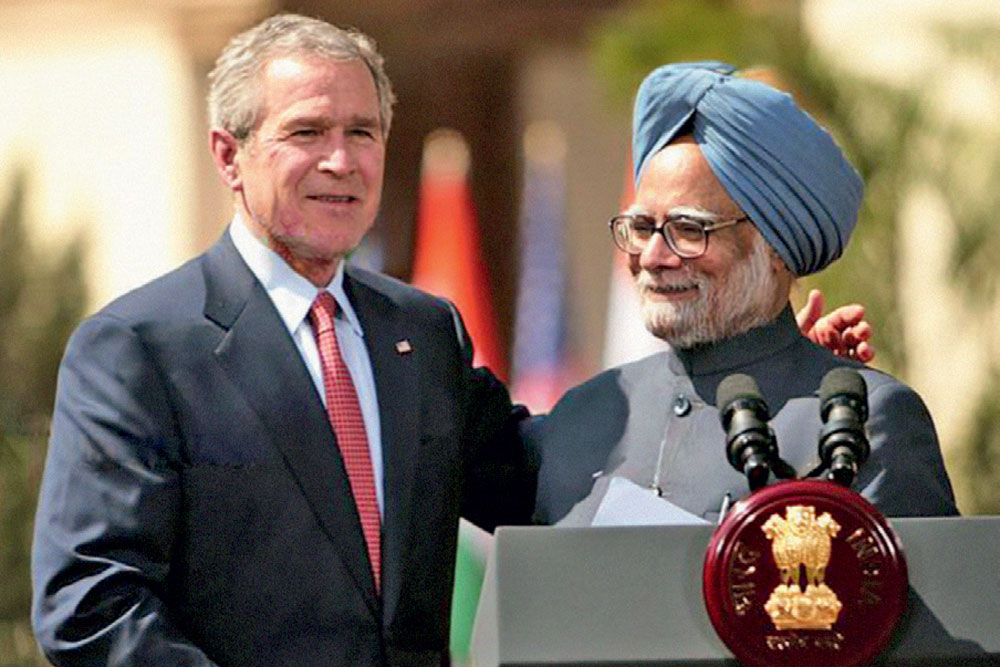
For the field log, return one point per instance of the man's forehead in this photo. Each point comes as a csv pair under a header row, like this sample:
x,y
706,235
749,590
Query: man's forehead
x,y
286,68
682,155
297,84
679,176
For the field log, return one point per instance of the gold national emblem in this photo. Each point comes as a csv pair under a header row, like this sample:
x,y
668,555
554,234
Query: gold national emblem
x,y
801,541
774,563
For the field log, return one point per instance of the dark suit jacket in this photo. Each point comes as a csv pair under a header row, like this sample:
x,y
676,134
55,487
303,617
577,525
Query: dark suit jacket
x,y
195,509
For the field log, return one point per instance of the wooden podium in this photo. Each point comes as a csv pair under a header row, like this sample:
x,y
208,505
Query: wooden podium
x,y
632,596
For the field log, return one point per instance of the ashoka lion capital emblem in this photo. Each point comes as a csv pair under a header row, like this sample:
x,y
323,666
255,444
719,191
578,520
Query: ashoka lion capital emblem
x,y
801,540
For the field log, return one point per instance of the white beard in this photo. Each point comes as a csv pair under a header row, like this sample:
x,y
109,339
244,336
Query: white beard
x,y
722,308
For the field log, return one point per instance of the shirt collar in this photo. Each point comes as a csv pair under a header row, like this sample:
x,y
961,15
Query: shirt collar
x,y
291,294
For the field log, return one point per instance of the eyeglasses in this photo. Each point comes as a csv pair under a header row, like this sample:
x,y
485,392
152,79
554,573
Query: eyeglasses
x,y
688,238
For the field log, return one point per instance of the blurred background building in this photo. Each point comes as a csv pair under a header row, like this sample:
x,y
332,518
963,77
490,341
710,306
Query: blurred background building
x,y
106,182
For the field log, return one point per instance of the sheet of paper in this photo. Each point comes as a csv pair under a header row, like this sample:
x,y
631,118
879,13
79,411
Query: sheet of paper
x,y
628,504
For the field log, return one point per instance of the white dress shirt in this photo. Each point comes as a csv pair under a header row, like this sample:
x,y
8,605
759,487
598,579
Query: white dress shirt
x,y
292,296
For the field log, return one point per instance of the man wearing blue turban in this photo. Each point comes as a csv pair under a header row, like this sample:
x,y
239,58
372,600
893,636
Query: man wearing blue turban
x,y
738,192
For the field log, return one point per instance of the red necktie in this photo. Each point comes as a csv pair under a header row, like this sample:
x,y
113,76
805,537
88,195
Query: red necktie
x,y
345,416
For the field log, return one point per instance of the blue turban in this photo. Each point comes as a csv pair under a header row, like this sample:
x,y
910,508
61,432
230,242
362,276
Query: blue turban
x,y
773,159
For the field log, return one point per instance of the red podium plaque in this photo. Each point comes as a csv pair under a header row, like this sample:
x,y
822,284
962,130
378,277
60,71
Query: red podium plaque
x,y
804,572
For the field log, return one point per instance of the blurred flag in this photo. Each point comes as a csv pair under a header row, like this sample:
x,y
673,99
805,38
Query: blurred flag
x,y
541,369
448,260
625,336
470,567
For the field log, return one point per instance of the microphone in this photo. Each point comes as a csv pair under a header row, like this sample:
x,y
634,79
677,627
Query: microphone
x,y
843,407
750,442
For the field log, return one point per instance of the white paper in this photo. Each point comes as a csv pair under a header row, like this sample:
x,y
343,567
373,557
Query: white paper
x,y
628,504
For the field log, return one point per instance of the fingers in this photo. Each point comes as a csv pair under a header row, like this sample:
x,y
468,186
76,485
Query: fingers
x,y
846,317
856,343
852,343
864,352
844,331
810,313
854,335
827,335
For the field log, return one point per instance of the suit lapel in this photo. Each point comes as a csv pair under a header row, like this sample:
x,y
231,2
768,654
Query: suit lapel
x,y
396,375
262,359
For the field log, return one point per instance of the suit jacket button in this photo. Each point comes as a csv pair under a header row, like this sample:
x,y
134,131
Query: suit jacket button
x,y
682,405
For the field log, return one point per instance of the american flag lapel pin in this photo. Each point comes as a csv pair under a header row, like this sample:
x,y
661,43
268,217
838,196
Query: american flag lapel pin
x,y
403,346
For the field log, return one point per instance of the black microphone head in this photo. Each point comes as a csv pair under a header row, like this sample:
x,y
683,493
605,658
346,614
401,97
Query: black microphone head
x,y
734,387
845,382
739,391
843,444
750,444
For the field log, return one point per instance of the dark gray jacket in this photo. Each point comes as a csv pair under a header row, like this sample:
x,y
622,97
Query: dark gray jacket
x,y
616,424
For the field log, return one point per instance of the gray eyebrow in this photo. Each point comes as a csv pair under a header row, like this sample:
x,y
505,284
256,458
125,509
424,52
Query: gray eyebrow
x,y
691,212
694,213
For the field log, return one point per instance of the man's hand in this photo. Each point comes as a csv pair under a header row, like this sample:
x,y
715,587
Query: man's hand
x,y
844,331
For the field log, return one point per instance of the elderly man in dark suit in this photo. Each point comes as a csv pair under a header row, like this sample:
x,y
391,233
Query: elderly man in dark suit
x,y
260,458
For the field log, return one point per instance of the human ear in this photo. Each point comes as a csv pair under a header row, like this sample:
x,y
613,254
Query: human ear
x,y
225,148
778,266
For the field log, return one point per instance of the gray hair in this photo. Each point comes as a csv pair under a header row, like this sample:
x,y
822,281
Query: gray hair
x,y
233,97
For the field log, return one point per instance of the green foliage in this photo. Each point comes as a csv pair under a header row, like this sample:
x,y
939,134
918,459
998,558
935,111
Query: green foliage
x,y
660,32
20,471
970,171
42,297
980,462
16,480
